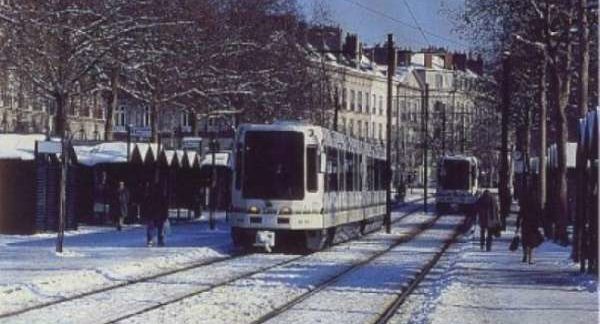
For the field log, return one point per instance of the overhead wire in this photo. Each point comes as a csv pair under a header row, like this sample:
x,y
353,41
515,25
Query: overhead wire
x,y
399,21
417,22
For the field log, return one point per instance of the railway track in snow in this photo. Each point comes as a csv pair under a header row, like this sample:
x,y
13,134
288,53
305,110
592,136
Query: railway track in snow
x,y
129,284
299,299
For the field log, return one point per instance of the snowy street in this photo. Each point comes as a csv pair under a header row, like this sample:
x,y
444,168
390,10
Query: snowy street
x,y
200,278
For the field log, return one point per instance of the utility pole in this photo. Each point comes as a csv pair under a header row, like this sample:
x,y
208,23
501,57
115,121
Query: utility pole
x,y
443,129
62,211
390,75
425,120
504,176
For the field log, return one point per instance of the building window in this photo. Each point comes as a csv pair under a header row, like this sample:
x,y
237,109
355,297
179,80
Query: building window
x,y
381,105
351,127
185,119
359,126
119,116
360,103
145,116
381,131
374,103
352,100
345,99
439,81
343,125
367,129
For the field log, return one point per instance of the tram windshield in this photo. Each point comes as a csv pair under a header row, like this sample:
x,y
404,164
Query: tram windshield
x,y
455,175
273,165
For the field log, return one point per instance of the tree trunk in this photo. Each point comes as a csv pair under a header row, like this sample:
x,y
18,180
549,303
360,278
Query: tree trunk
x,y
60,119
112,107
543,106
561,98
154,122
584,58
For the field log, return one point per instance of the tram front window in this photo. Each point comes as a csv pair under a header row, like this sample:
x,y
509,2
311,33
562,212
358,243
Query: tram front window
x,y
456,175
273,165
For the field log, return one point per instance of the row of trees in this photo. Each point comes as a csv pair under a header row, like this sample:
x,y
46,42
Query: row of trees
x,y
550,47
202,55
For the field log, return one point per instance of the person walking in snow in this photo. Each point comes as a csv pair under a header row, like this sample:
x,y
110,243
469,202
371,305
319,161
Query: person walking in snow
x,y
154,212
123,204
528,222
488,218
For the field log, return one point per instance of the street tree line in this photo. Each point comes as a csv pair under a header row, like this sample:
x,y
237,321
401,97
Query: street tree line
x,y
198,55
550,49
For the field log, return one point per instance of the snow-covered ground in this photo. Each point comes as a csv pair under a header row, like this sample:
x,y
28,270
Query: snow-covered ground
x,y
247,299
473,286
95,257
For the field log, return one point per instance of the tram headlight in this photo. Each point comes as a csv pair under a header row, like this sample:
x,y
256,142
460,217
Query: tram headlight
x,y
253,210
285,211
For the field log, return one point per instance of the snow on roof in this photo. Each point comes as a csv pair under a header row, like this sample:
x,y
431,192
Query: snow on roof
x,y
146,148
170,155
19,146
221,159
192,157
112,152
403,72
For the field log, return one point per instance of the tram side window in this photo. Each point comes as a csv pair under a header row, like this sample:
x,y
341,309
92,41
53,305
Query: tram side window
x,y
332,166
370,174
341,171
360,172
311,168
349,171
379,174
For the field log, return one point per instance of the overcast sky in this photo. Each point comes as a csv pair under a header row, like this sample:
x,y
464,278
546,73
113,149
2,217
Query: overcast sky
x,y
374,19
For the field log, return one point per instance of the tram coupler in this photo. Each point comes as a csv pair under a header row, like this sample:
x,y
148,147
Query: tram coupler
x,y
265,239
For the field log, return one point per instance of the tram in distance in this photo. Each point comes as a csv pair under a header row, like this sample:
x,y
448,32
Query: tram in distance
x,y
457,183
303,186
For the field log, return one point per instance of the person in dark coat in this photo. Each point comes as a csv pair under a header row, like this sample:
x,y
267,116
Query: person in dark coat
x,y
528,223
487,212
154,212
123,204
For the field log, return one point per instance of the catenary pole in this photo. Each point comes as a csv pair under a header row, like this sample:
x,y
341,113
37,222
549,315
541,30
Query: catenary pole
x,y
425,117
388,134
504,176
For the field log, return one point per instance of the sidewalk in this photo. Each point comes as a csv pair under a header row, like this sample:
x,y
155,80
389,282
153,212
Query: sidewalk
x,y
496,287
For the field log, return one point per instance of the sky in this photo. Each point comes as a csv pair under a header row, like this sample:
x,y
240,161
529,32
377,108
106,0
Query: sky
x,y
372,20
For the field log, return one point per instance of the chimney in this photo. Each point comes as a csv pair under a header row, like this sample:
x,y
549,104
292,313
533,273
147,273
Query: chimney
x,y
428,60
448,61
352,47
404,57
326,38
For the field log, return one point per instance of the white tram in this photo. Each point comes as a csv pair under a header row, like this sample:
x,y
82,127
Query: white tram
x,y
304,186
457,183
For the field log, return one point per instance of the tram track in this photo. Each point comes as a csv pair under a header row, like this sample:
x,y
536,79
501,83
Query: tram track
x,y
241,277
394,306
171,272
299,299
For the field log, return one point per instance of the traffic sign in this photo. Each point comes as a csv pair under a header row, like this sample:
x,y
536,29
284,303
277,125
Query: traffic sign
x,y
49,147
145,132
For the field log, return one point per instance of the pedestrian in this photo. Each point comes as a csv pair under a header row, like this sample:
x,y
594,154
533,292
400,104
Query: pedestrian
x,y
123,197
488,218
154,212
527,221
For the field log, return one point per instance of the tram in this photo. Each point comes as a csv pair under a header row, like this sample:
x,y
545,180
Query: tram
x,y
299,185
457,182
